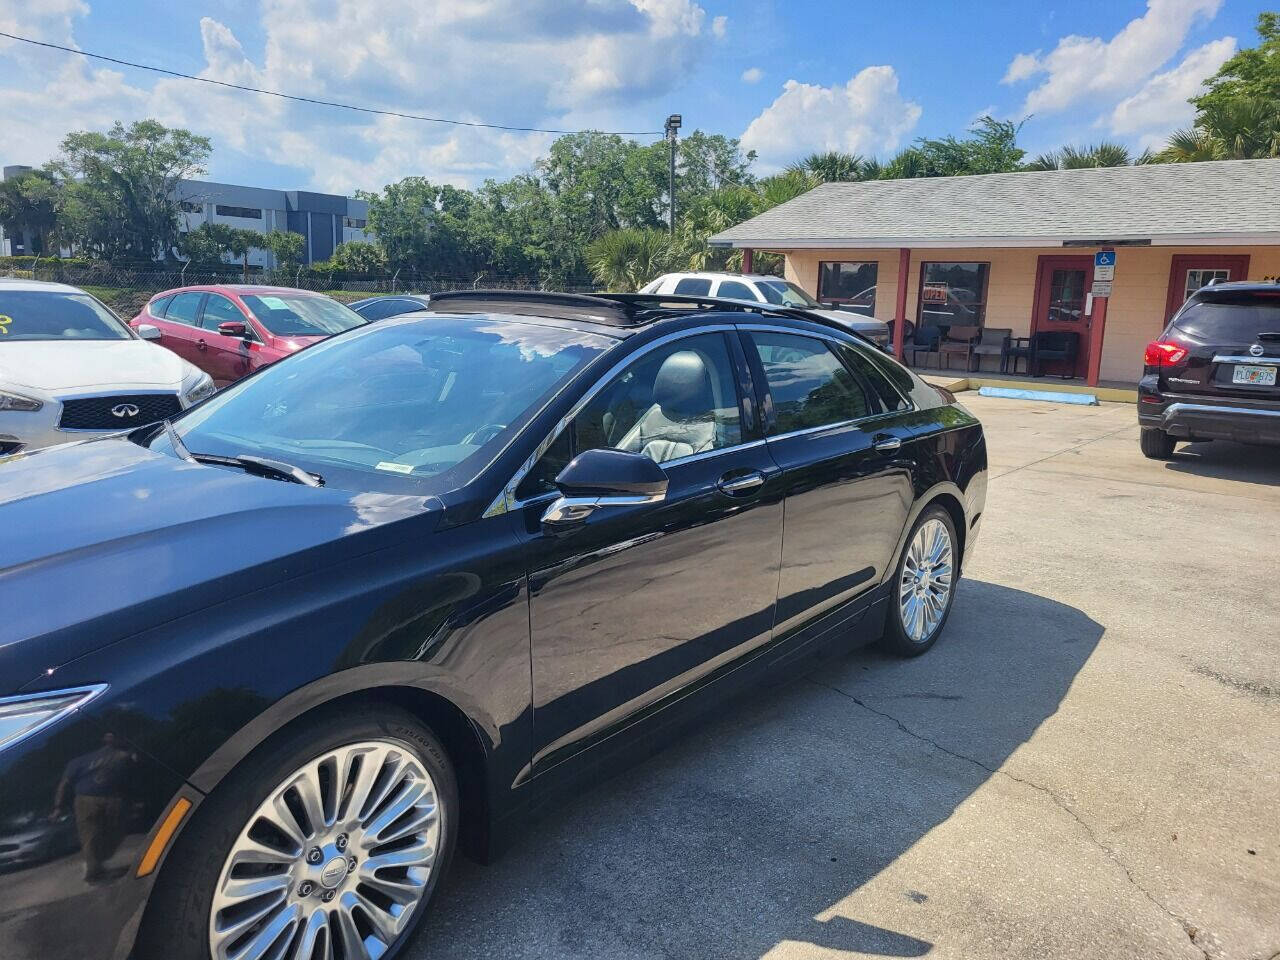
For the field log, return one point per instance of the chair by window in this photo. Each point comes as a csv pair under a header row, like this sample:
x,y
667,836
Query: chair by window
x,y
992,343
1015,349
1054,345
923,340
959,341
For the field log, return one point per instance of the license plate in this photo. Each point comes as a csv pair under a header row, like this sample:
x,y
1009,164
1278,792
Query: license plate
x,y
1254,376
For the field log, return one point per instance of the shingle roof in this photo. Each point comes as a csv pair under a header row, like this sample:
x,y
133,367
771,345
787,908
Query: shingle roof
x,y
1161,202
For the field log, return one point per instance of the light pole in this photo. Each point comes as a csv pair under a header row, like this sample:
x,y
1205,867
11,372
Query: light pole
x,y
673,124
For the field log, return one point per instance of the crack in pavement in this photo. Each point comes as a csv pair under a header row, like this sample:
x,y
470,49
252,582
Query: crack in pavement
x,y
1189,929
1058,453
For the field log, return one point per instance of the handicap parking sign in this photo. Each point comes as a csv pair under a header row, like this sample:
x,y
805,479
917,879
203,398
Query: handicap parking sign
x,y
1105,258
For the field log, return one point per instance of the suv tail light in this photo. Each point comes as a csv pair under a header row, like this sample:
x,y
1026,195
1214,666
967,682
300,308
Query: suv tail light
x,y
1163,353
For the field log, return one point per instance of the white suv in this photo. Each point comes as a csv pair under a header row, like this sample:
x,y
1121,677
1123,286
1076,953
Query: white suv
x,y
71,369
761,288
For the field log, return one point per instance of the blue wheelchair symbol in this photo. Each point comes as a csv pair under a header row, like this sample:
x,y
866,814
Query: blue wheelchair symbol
x,y
1107,258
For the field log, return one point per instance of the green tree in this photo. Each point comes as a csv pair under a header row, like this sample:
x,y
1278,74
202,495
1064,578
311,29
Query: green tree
x,y
833,166
628,258
422,226
118,188
211,243
357,256
28,205
1105,154
286,246
990,147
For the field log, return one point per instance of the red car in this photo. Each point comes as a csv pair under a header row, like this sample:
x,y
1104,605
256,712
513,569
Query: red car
x,y
231,330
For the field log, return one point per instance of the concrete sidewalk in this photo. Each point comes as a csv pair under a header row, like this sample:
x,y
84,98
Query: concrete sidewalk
x,y
1085,766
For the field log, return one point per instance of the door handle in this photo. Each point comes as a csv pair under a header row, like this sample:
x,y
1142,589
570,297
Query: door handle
x,y
201,345
742,484
886,443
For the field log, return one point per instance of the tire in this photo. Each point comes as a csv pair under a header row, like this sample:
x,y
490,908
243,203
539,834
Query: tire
x,y
906,635
315,893
1155,443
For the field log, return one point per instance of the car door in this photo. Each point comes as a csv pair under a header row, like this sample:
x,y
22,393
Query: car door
x,y
642,600
847,480
179,330
227,359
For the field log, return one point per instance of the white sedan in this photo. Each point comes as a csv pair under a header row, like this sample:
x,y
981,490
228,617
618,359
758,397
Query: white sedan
x,y
71,369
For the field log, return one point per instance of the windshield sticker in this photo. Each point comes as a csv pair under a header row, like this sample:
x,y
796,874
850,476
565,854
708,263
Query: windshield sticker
x,y
4,323
274,303
395,467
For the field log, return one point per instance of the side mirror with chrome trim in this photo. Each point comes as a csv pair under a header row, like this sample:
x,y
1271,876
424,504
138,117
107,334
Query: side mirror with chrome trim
x,y
603,478
148,331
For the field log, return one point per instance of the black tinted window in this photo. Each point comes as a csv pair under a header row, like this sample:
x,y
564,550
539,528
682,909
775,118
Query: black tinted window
x,y
693,287
734,290
218,309
1232,319
890,399
810,386
184,308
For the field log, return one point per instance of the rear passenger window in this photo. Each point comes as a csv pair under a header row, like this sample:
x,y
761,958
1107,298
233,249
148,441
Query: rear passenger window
x,y
871,373
183,308
157,307
736,291
693,287
809,384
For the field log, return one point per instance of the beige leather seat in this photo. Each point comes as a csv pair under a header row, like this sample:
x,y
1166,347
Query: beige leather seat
x,y
681,421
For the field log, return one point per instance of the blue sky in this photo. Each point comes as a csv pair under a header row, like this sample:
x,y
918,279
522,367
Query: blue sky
x,y
788,76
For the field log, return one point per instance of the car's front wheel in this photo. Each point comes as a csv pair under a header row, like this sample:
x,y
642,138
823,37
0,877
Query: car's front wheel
x,y
924,585
1155,443
327,844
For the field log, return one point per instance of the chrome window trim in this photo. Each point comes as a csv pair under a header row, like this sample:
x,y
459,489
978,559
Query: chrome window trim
x,y
1249,361
824,335
506,501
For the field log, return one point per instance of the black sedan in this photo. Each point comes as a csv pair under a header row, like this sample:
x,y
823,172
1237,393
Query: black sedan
x,y
391,305
395,593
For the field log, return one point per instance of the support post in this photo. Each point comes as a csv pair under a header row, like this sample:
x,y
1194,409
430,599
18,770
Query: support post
x,y
900,309
1097,329
747,259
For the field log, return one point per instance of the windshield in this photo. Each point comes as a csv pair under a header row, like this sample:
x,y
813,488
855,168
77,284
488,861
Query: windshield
x,y
302,316
786,294
416,405
40,315
1235,318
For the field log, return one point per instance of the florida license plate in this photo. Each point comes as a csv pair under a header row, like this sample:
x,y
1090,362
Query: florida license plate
x,y
1254,376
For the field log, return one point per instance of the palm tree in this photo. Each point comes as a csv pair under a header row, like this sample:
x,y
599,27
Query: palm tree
x,y
629,258
833,166
780,188
1052,160
1191,146
1105,154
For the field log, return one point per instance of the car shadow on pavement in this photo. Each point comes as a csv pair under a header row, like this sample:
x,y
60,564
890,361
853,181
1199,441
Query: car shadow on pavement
x,y
749,833
1223,460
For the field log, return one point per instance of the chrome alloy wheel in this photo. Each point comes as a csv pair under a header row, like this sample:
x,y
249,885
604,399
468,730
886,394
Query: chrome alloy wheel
x,y
334,861
925,587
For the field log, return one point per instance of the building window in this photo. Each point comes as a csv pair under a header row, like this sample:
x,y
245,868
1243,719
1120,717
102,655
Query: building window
x,y
190,206
245,213
353,223
851,283
953,294
1202,278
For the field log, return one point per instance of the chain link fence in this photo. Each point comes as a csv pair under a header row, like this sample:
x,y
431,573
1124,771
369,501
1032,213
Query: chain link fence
x,y
126,288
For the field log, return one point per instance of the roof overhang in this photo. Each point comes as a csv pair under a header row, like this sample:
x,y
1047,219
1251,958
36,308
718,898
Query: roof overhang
x,y
868,243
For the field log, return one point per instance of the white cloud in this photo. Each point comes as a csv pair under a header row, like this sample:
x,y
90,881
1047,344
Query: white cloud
x,y
1082,69
752,75
720,26
1161,105
867,115
545,63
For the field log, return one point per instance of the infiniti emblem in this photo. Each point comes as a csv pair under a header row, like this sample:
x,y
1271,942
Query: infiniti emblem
x,y
124,410
1255,350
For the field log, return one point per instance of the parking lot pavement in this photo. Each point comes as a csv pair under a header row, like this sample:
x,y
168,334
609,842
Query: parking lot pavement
x,y
1085,766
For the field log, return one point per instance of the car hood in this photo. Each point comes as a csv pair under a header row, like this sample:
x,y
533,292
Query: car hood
x,y
105,538
62,366
868,326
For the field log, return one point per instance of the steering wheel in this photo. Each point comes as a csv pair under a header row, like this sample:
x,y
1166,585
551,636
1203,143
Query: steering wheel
x,y
482,435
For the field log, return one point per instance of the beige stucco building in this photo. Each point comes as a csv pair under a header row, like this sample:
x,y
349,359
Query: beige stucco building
x,y
1017,251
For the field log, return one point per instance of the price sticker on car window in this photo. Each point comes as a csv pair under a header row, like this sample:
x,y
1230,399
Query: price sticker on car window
x,y
274,303
4,324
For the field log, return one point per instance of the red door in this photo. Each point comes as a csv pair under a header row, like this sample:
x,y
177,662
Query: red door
x,y
1190,272
1062,303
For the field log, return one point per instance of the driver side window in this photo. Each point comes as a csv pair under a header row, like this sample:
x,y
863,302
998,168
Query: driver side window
x,y
676,401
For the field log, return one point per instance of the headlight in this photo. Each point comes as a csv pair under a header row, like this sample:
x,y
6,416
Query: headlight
x,y
16,401
203,387
22,716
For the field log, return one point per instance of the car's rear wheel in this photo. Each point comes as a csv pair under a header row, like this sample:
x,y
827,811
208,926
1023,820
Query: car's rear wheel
x,y
330,844
924,585
1155,443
